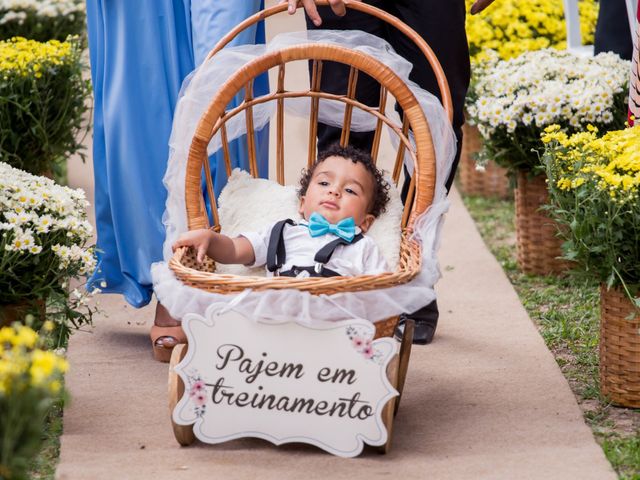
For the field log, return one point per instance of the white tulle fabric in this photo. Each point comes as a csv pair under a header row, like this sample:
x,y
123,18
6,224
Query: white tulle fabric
x,y
197,92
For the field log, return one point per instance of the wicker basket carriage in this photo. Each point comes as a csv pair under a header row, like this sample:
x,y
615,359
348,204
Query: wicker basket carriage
x,y
213,121
419,198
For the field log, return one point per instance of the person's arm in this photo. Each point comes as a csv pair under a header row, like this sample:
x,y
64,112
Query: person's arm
x,y
312,11
480,5
339,9
219,247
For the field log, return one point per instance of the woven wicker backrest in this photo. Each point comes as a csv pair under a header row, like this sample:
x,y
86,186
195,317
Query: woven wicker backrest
x,y
359,6
422,184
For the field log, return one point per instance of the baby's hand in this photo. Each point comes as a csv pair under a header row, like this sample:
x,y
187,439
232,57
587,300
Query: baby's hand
x,y
197,239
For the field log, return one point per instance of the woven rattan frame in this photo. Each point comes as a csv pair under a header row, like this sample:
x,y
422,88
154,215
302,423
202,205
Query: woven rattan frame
x,y
619,348
536,234
492,182
213,120
395,22
421,189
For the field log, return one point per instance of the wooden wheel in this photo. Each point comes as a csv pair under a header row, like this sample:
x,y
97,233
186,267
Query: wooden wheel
x,y
405,353
183,433
389,409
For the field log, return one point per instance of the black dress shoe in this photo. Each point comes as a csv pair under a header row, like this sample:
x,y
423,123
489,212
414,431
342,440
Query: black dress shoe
x,y
422,333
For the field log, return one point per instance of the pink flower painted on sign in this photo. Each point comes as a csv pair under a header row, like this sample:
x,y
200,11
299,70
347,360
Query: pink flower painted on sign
x,y
362,342
368,352
199,399
197,393
197,387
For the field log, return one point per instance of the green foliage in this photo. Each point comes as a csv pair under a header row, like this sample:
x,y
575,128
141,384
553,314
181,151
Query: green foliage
x,y
594,192
624,454
44,465
21,423
566,311
43,98
43,246
30,385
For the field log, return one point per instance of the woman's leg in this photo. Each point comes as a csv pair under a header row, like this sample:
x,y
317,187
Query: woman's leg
x,y
135,95
209,22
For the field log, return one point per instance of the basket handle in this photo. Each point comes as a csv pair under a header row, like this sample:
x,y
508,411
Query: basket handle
x,y
214,117
443,86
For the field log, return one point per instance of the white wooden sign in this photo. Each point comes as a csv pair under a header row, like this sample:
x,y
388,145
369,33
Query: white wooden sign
x,y
324,385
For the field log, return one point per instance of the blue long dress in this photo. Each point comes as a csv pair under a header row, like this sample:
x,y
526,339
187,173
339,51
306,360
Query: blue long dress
x,y
209,23
140,52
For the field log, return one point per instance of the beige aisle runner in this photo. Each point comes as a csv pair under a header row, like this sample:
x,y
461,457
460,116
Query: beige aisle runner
x,y
484,401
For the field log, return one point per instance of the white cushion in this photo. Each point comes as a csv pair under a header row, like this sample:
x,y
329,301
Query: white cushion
x,y
251,204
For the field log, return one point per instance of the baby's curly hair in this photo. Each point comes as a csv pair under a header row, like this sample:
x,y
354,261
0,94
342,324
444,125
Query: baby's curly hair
x,y
381,187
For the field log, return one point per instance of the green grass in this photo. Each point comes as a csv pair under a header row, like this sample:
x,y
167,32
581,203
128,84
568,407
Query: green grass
x,y
566,313
624,452
44,465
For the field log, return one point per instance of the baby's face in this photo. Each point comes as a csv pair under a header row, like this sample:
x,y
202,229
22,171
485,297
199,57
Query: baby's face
x,y
339,189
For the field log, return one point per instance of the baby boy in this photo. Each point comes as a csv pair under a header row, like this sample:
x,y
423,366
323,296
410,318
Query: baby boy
x,y
340,197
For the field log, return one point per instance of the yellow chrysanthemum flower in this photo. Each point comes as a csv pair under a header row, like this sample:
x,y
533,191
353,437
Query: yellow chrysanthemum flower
x,y
23,366
512,27
22,57
609,163
25,337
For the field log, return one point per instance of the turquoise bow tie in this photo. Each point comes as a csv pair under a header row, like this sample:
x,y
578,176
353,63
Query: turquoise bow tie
x,y
345,228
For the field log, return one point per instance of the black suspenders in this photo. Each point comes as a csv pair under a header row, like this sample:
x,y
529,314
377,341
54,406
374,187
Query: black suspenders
x,y
276,254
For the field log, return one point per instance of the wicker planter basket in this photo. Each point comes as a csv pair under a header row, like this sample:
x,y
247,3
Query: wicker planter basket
x,y
16,312
492,182
619,349
421,190
537,244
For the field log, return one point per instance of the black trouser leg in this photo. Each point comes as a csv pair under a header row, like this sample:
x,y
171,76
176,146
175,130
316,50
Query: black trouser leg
x,y
449,182
612,29
426,321
441,24
335,76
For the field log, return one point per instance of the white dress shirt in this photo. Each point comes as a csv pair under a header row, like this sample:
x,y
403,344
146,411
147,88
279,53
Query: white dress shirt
x,y
360,258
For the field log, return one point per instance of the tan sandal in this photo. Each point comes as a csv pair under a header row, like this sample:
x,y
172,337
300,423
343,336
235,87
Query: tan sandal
x,y
164,339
